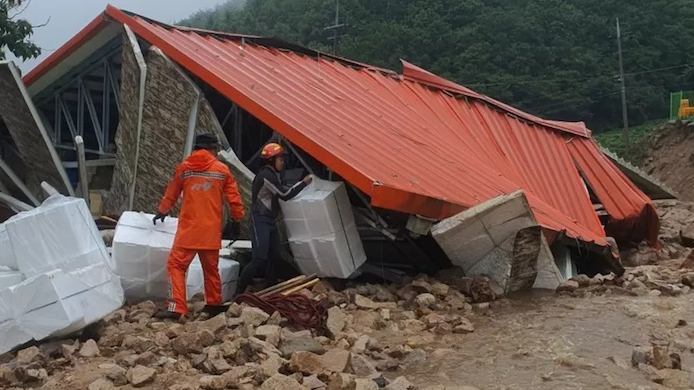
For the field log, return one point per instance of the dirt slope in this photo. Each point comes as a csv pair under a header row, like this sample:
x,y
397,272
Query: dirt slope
x,y
670,158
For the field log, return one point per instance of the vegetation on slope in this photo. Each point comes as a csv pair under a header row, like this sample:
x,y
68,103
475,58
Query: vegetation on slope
x,y
556,59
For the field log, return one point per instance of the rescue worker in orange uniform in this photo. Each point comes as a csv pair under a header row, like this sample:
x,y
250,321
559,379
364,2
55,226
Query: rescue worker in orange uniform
x,y
266,192
205,183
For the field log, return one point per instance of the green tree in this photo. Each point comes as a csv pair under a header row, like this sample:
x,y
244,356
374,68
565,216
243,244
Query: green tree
x,y
15,33
553,58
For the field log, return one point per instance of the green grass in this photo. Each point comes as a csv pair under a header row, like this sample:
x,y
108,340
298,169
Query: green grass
x,y
612,140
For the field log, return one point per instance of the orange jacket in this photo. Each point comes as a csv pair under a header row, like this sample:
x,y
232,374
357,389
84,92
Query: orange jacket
x,y
205,182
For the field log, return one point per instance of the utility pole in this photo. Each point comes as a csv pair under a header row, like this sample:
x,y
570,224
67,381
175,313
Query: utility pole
x,y
625,117
336,28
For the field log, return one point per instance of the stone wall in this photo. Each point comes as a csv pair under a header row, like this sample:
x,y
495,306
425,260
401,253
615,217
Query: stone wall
x,y
168,99
126,135
36,155
208,122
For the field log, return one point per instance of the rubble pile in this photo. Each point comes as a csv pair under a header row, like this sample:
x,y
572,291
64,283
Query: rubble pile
x,y
247,348
654,280
676,235
659,364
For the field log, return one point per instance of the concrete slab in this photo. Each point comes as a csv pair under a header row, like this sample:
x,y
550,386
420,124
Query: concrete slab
x,y
500,239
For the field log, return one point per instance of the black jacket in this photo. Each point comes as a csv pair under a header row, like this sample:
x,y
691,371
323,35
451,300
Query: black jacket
x,y
267,191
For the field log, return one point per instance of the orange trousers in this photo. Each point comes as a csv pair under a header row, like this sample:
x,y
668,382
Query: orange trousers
x,y
177,266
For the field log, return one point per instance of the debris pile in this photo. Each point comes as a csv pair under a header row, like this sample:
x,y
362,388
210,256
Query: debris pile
x,y
676,235
639,281
246,348
660,365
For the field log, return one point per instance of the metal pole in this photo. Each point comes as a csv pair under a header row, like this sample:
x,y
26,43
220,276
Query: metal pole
x,y
82,167
337,22
625,117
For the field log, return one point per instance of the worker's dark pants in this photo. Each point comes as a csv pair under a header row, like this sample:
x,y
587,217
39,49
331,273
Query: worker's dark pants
x,y
266,252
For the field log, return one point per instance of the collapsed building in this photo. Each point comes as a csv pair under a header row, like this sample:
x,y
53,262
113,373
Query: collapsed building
x,y
413,148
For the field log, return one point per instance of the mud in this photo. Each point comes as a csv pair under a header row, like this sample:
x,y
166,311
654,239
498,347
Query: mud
x,y
554,342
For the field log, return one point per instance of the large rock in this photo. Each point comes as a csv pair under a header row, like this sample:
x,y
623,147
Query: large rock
x,y
365,384
676,379
362,367
272,364
213,382
426,300
641,255
306,363
139,375
89,349
299,342
215,324
641,355
115,373
568,286
481,290
337,320
187,343
101,384
254,316
30,355
269,333
400,383
363,302
337,360
687,236
282,382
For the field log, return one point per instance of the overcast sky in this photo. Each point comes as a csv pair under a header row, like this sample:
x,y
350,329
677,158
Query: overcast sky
x,y
68,17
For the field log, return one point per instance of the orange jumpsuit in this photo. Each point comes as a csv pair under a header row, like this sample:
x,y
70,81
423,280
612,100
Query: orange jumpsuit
x,y
205,182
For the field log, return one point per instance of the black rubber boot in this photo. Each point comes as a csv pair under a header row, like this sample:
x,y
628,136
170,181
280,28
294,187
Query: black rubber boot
x,y
214,310
170,315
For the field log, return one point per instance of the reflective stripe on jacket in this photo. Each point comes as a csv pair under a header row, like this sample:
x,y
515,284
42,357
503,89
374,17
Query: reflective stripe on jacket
x,y
204,183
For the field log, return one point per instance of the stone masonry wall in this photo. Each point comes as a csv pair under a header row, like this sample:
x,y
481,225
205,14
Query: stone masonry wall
x,y
26,134
168,98
117,200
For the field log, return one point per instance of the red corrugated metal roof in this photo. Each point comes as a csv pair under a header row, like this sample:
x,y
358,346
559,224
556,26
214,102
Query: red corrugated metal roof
x,y
632,213
412,148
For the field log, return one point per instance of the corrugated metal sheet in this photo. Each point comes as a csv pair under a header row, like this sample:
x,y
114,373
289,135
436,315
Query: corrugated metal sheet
x,y
412,148
631,212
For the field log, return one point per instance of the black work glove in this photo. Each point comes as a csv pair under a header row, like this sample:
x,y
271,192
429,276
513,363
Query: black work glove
x,y
159,216
232,230
235,230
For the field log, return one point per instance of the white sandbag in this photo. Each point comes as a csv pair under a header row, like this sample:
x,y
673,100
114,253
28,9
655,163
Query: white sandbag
x,y
59,234
322,232
9,278
228,271
7,258
57,303
140,250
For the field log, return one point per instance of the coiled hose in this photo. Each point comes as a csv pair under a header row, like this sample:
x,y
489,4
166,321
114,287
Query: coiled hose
x,y
296,308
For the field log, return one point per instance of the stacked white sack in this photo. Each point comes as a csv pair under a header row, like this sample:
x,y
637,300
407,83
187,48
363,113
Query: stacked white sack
x,y
322,231
69,281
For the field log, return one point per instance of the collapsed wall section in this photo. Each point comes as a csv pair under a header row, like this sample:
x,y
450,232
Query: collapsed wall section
x,y
29,135
133,69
